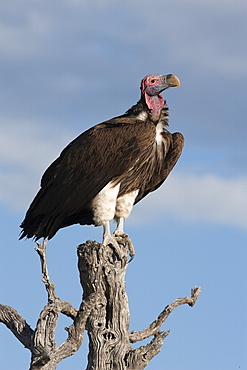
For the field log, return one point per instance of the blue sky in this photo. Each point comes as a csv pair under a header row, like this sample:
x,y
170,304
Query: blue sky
x,y
67,65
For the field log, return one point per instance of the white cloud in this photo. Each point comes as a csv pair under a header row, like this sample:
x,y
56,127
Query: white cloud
x,y
196,34
26,150
204,36
54,58
28,144
194,198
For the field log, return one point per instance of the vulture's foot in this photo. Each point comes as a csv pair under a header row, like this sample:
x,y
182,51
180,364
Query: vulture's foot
x,y
122,237
110,239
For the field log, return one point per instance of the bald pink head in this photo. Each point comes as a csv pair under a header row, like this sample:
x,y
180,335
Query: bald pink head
x,y
151,88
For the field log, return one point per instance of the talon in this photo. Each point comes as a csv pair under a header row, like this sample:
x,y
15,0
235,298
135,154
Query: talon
x,y
110,239
131,249
120,236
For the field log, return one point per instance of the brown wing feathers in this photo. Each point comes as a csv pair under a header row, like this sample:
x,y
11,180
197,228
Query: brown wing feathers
x,y
176,143
122,150
82,170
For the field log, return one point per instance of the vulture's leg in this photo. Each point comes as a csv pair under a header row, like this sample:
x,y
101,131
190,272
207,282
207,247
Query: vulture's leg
x,y
120,225
119,232
110,239
107,232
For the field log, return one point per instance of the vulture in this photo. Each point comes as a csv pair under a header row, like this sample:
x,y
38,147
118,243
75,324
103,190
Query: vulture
x,y
107,169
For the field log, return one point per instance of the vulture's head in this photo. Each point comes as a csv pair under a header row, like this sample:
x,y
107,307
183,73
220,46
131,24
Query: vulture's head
x,y
151,87
155,84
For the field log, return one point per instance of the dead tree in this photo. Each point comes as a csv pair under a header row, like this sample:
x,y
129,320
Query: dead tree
x,y
104,313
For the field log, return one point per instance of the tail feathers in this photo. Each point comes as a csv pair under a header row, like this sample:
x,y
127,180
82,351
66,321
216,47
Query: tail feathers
x,y
37,227
47,225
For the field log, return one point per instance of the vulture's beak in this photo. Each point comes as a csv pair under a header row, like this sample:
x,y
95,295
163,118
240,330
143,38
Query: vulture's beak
x,y
165,82
171,81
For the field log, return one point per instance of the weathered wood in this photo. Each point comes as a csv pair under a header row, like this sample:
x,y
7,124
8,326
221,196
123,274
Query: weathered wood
x,y
17,324
45,354
104,313
102,271
154,328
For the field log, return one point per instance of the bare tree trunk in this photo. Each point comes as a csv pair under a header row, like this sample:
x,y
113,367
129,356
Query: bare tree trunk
x,y
102,271
104,313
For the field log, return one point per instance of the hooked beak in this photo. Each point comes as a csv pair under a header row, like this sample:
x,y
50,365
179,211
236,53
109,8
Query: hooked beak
x,y
165,82
171,81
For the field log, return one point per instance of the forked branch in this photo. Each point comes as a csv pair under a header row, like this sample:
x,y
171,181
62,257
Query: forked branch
x,y
41,341
103,270
154,328
45,354
104,313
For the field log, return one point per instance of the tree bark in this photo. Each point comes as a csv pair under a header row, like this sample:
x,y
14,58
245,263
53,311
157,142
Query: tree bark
x,y
102,271
104,313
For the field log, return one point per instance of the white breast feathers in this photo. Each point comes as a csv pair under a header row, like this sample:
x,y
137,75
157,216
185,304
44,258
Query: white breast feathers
x,y
106,205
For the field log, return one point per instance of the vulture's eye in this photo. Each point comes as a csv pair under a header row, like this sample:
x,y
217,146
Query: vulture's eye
x,y
153,81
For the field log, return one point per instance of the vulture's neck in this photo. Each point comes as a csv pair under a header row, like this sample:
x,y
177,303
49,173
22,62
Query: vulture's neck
x,y
156,110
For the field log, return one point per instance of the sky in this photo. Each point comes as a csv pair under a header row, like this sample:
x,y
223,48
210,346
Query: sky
x,y
67,65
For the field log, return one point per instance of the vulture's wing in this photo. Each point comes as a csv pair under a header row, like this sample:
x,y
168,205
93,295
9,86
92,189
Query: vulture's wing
x,y
175,145
88,163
